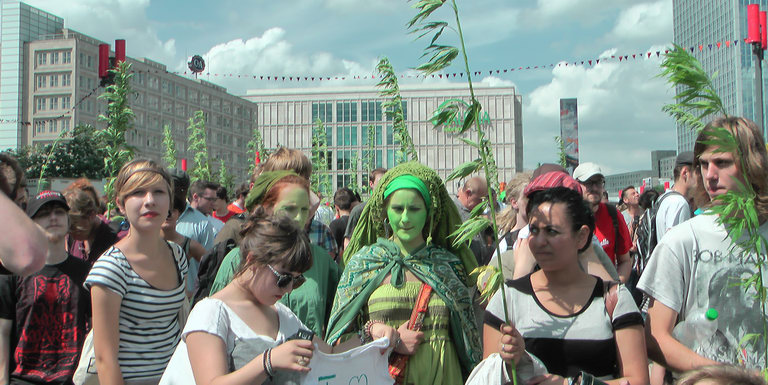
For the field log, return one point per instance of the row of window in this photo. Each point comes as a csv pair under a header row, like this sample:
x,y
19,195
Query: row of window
x,y
53,81
347,111
52,125
53,103
53,57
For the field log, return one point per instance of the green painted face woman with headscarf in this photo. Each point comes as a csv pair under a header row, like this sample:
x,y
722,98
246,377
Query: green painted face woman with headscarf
x,y
400,250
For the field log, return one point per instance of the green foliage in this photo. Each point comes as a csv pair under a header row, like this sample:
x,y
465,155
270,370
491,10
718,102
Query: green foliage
x,y
696,97
256,145
79,154
735,210
321,178
393,110
198,145
225,178
119,119
561,151
170,147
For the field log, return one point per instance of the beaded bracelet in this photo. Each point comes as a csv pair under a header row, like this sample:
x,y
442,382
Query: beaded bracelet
x,y
267,361
367,328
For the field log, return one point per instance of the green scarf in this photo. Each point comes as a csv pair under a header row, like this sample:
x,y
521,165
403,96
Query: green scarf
x,y
443,220
263,183
433,265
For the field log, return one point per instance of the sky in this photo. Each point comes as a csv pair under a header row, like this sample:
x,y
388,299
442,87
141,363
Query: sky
x,y
619,103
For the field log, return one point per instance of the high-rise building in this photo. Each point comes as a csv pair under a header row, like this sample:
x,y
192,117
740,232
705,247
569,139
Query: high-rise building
x,y
706,23
19,25
286,117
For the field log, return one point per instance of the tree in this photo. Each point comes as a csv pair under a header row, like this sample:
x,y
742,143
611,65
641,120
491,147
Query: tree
x,y
321,179
201,169
170,147
226,179
256,146
119,120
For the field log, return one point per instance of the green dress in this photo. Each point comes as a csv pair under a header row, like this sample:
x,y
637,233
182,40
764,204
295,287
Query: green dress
x,y
311,302
451,346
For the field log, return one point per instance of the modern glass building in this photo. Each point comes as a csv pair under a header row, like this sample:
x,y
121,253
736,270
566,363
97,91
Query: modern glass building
x,y
286,117
19,25
706,23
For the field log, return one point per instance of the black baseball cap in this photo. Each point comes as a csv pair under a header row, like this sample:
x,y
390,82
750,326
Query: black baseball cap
x,y
43,198
684,159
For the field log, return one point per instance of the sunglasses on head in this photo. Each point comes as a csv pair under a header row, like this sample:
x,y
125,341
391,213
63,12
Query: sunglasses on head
x,y
284,279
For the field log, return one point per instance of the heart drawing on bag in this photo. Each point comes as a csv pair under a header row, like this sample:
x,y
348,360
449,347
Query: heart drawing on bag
x,y
359,380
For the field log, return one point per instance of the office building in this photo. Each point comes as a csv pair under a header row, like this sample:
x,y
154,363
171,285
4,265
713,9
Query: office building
x,y
19,25
286,117
706,23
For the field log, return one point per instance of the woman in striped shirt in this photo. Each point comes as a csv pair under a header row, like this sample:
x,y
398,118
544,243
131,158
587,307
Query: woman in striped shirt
x,y
137,285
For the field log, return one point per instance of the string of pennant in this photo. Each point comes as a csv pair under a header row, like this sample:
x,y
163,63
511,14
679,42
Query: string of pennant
x,y
66,113
499,71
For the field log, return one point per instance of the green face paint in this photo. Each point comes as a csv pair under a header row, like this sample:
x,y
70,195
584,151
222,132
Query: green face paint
x,y
407,215
293,202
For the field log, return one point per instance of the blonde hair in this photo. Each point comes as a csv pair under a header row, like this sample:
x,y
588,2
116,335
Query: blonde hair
x,y
751,149
721,375
140,173
289,159
507,218
81,198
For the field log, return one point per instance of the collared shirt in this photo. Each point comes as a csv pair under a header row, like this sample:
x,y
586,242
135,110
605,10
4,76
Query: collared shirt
x,y
194,224
319,234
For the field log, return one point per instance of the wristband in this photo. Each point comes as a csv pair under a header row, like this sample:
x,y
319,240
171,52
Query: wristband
x,y
368,327
267,361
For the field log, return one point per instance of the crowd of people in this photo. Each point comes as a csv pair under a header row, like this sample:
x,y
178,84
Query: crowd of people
x,y
269,285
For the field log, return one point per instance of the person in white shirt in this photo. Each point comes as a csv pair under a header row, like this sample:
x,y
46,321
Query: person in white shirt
x,y
674,205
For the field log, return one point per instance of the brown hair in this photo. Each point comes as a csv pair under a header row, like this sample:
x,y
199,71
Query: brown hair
x,y
270,198
751,154
11,176
82,198
273,240
289,159
720,374
140,173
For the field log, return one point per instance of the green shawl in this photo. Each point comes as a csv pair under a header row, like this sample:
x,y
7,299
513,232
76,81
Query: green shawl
x,y
443,218
433,265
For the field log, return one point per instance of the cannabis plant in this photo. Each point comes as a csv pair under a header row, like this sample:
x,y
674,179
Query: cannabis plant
x,y
201,169
119,119
169,158
321,178
393,110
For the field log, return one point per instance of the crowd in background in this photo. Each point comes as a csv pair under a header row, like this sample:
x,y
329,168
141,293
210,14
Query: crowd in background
x,y
192,284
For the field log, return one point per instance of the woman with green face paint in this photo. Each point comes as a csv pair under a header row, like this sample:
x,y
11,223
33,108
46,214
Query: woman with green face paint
x,y
286,193
401,245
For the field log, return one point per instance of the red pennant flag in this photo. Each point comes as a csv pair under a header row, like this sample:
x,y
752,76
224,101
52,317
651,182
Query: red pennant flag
x,y
649,54
440,76
621,57
633,56
613,56
505,71
289,78
590,62
497,71
718,44
701,47
328,78
727,43
666,51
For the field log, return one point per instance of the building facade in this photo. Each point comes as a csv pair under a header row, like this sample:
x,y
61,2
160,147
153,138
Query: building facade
x,y
19,24
286,117
63,71
707,23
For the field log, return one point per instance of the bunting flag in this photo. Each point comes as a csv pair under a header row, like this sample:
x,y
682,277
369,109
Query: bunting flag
x,y
564,63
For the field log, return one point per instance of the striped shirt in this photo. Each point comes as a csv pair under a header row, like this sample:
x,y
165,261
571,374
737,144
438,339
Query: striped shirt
x,y
148,323
567,344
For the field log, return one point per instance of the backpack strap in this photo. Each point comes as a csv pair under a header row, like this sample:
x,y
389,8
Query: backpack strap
x,y
611,297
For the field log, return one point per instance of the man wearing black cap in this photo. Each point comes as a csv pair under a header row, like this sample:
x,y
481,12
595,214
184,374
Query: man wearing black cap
x,y
674,205
43,317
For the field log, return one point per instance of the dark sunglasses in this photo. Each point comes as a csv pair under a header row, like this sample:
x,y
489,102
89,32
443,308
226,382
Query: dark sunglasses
x,y
284,279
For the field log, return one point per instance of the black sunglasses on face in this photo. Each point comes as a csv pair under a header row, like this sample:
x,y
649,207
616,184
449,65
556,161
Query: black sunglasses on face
x,y
284,279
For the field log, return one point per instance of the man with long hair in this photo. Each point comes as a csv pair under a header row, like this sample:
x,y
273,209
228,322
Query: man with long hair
x,y
682,275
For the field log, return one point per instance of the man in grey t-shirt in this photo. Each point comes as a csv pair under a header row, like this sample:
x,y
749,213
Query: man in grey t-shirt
x,y
673,205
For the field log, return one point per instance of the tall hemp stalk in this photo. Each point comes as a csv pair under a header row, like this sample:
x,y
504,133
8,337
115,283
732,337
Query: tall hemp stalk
x,y
393,110
369,158
256,145
561,156
169,157
119,120
735,210
198,145
440,57
49,158
226,179
321,179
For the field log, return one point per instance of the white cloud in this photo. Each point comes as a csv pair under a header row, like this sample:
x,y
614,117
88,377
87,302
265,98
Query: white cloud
x,y
648,22
493,81
113,19
620,117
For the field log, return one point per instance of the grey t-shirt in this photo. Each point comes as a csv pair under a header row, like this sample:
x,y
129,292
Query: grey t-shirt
x,y
694,268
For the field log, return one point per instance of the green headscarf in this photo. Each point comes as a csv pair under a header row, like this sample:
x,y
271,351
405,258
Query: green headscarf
x,y
443,218
263,183
409,181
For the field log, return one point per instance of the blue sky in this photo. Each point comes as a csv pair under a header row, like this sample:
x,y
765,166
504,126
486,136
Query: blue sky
x,y
620,116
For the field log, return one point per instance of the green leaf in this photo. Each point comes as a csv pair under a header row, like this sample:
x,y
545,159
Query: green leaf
x,y
472,114
469,229
470,142
465,169
425,7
